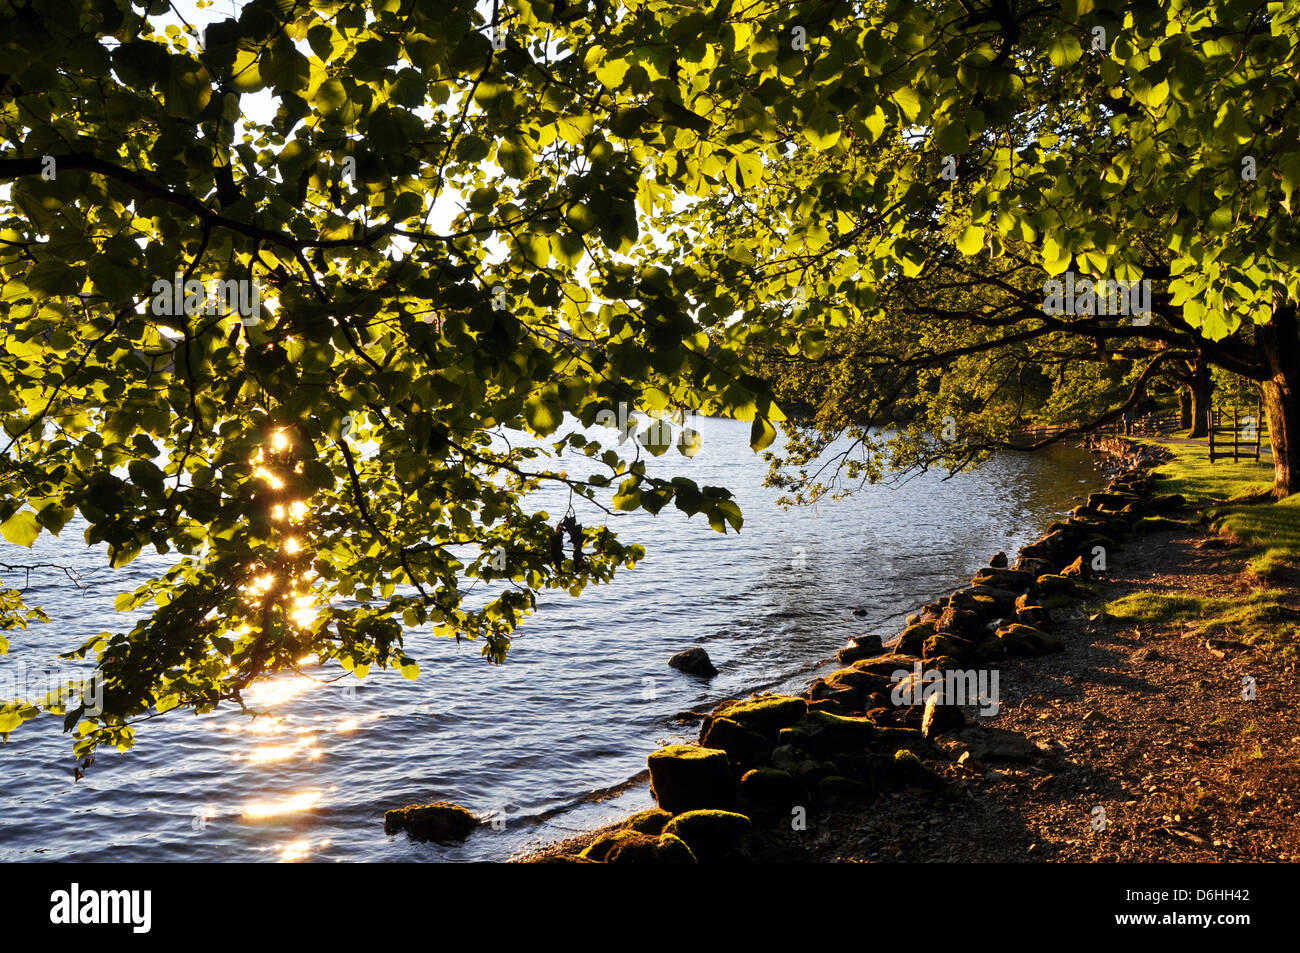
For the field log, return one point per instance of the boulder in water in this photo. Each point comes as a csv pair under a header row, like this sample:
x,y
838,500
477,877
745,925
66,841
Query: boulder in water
x,y
442,821
694,662
859,648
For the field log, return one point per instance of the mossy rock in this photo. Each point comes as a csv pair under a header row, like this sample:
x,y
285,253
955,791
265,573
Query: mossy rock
x,y
861,688
969,601
843,689
801,764
866,683
644,849
1002,599
913,638
915,774
887,664
941,663
1020,639
859,648
650,821
688,778
875,772
1051,547
837,791
674,850
771,792
906,691
940,717
845,703
442,821
1089,527
711,835
1076,570
1037,617
1092,542
991,649
743,746
822,734
1012,579
889,740
1035,567
824,696
879,772
932,610
1013,640
1168,501
1111,501
600,848
1051,584
766,714
959,622
945,646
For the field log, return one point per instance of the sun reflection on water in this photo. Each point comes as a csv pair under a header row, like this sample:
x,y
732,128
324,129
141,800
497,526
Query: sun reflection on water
x,y
301,849
302,749
294,804
277,691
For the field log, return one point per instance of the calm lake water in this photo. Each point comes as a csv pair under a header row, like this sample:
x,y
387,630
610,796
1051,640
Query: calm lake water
x,y
585,695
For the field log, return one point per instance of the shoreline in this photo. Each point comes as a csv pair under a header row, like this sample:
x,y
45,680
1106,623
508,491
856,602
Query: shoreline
x,y
926,738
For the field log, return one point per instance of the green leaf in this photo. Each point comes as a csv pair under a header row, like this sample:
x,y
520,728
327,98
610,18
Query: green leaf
x,y
1151,96
21,529
612,71
909,102
1055,259
744,172
515,159
628,496
761,433
543,416
953,138
971,240
1065,50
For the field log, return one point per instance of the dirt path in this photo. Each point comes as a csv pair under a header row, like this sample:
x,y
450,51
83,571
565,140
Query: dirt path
x,y
1144,723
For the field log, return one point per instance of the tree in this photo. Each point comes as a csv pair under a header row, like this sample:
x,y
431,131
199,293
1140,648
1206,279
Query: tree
x,y
291,345
1196,389
1101,141
642,191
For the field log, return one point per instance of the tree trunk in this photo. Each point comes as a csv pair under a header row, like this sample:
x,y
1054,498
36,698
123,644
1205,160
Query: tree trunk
x,y
1280,348
1202,389
1184,408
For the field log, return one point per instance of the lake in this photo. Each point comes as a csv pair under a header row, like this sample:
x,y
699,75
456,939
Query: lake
x,y
585,695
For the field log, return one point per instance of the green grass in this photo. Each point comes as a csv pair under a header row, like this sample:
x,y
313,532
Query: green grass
x,y
1265,534
1272,529
1191,474
1265,619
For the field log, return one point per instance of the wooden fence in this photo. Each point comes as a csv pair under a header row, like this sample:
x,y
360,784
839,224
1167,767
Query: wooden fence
x,y
1245,432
